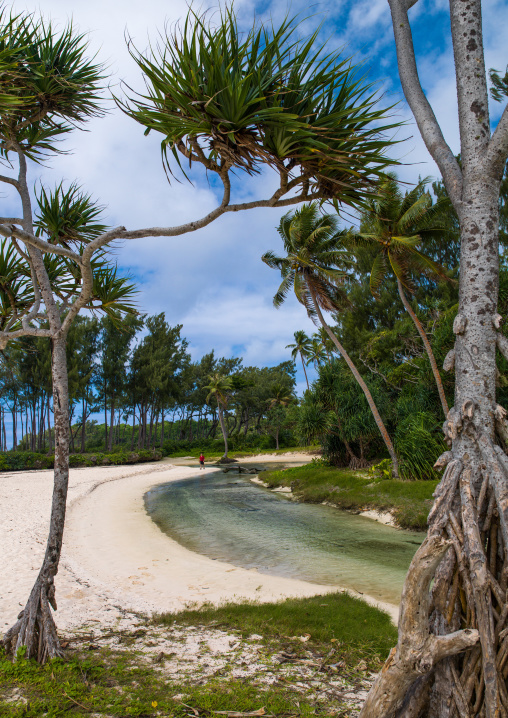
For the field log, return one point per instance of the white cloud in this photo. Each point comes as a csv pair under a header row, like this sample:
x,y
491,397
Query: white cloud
x,y
213,281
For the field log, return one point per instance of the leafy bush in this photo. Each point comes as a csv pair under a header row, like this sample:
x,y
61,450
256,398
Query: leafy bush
x,y
419,442
30,460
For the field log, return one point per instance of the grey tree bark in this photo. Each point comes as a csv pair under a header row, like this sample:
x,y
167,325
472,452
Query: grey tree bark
x,y
466,609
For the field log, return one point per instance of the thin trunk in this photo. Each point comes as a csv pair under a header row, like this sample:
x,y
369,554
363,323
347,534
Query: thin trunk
x,y
304,370
111,423
426,344
224,431
277,438
162,429
133,427
105,419
35,627
363,385
50,438
83,426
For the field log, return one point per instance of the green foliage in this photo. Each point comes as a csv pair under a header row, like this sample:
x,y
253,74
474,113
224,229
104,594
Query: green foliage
x,y
54,86
27,460
419,441
381,471
243,101
336,617
409,501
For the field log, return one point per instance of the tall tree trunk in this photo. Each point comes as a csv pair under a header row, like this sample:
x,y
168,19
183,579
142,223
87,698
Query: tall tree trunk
x,y
363,386
83,426
450,659
426,344
133,427
14,435
105,420
162,429
50,438
35,627
224,431
111,423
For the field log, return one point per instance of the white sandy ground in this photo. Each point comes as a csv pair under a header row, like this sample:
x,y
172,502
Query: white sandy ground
x,y
115,560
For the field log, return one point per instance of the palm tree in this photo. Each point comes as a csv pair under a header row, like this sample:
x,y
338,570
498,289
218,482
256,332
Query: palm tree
x,y
328,345
395,225
220,387
317,353
315,269
302,346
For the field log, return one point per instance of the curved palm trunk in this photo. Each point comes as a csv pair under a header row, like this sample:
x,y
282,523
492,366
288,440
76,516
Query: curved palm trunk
x,y
224,430
304,370
35,627
428,348
363,385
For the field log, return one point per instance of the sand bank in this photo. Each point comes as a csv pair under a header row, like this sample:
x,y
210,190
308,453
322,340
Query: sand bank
x,y
115,560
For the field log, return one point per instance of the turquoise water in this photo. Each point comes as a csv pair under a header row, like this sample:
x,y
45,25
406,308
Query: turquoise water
x,y
228,518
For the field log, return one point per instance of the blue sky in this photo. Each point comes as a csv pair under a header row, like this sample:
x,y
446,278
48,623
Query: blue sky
x,y
213,281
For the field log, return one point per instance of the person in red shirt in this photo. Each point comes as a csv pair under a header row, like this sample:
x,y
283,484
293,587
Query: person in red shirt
x,y
201,461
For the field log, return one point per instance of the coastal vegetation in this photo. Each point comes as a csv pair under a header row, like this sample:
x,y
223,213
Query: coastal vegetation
x,y
227,102
236,104
409,502
301,656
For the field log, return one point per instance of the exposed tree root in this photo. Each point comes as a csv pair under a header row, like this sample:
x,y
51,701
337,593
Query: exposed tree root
x,y
358,463
451,660
35,628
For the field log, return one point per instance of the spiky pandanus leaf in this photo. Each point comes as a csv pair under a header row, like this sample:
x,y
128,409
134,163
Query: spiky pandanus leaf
x,y
54,88
262,98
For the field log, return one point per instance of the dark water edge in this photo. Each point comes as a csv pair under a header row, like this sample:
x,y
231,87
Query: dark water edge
x,y
228,518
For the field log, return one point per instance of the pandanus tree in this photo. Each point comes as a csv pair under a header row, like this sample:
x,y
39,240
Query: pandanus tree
x,y
316,268
302,347
396,226
220,388
228,102
450,659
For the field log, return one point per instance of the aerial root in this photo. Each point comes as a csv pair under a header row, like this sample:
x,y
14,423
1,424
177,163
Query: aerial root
x,y
35,628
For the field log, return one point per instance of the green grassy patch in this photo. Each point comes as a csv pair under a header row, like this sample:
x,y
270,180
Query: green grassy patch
x,y
118,684
337,630
410,501
360,630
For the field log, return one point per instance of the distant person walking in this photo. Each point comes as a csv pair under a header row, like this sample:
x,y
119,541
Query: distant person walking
x,y
201,461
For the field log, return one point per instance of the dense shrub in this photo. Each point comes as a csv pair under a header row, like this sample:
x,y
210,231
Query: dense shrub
x,y
30,460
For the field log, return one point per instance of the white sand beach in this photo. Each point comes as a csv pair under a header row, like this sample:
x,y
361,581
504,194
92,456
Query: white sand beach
x,y
115,560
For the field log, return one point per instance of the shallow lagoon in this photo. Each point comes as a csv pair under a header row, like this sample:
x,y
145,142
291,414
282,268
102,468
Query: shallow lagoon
x,y
228,518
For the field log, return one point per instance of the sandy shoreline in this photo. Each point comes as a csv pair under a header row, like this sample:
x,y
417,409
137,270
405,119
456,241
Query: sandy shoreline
x,y
115,560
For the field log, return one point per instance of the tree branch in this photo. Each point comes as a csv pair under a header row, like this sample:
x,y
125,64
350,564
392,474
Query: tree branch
x,y
10,220
9,180
33,241
417,101
497,152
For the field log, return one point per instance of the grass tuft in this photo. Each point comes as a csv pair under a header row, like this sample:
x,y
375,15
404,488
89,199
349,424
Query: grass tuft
x,y
410,501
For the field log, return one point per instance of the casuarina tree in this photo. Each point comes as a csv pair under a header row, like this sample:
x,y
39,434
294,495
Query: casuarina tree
x,y
229,102
450,659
